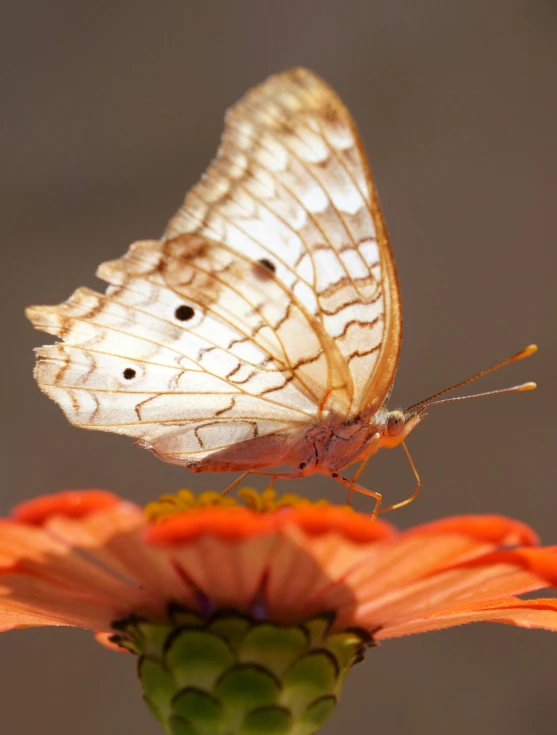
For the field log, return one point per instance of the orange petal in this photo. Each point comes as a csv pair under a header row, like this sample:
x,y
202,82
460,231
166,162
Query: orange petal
x,y
14,619
241,523
396,564
72,504
114,536
540,613
541,562
227,523
105,640
315,521
306,576
508,601
499,530
441,592
86,570
295,573
25,595
19,541
464,587
54,557
228,573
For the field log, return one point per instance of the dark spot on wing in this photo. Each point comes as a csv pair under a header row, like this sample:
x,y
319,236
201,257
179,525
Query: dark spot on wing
x,y
129,373
183,313
268,265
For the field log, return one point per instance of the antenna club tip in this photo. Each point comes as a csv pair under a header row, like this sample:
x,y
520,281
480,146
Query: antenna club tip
x,y
527,386
530,350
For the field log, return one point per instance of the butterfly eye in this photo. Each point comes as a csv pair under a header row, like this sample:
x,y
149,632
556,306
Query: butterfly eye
x,y
268,264
129,373
395,423
183,313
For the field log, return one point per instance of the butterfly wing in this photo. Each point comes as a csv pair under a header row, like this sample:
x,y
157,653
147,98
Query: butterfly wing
x,y
290,185
270,301
193,350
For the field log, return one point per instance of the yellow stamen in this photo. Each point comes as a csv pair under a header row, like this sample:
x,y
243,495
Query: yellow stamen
x,y
264,501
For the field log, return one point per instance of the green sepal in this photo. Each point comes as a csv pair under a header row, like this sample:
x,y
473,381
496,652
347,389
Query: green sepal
x,y
231,627
308,679
316,715
196,657
158,685
267,721
274,647
199,707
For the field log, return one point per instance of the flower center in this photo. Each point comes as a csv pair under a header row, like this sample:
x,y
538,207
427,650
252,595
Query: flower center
x,y
266,501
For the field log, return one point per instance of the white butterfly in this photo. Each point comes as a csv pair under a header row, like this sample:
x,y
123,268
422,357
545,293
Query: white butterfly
x,y
263,331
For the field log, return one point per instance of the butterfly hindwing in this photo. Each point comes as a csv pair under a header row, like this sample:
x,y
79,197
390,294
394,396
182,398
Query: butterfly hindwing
x,y
177,373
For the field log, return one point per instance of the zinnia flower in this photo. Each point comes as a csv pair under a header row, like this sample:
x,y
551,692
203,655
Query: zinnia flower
x,y
246,619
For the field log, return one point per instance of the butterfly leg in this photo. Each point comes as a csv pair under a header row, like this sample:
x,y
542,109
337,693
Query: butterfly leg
x,y
354,487
370,451
235,483
416,491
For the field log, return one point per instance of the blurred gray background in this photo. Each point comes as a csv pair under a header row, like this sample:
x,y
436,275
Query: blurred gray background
x,y
111,110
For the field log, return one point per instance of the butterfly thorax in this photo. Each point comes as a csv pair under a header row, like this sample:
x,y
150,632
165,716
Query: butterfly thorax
x,y
334,444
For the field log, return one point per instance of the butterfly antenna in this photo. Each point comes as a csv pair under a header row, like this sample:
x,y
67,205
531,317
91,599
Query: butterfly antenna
x,y
526,352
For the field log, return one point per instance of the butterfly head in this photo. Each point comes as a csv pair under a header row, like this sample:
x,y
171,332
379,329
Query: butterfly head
x,y
398,424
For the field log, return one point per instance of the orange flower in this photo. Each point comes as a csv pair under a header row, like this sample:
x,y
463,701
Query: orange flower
x,y
247,619
89,559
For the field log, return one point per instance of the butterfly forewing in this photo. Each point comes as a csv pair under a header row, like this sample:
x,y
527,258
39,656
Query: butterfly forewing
x,y
269,306
291,185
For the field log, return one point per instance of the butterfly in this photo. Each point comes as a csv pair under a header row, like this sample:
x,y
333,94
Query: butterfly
x,y
262,333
